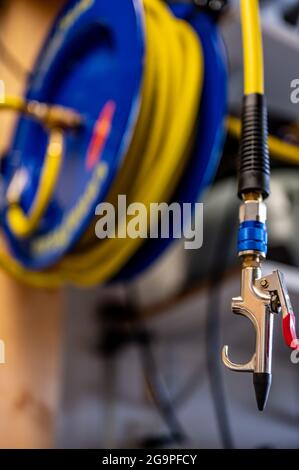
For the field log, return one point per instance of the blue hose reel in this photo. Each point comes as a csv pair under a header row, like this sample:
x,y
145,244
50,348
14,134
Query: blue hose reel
x,y
93,62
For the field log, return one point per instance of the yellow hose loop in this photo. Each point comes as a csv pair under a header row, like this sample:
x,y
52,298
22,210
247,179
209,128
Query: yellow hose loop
x,y
55,119
252,47
157,155
13,103
21,224
278,148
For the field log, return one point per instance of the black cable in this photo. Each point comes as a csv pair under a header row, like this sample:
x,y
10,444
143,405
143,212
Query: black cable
x,y
193,383
123,325
156,385
213,324
291,15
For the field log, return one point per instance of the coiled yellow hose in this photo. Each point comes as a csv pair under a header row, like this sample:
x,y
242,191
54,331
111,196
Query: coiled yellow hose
x,y
158,152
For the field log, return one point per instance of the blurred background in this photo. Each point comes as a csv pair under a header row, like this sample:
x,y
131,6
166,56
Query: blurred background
x,y
138,364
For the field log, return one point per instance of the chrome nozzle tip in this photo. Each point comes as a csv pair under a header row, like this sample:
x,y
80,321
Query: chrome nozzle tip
x,y
262,384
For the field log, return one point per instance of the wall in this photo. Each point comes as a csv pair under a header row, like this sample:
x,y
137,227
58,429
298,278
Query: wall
x,y
30,320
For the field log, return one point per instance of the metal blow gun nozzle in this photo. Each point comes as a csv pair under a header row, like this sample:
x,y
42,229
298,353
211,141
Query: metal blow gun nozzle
x,y
261,298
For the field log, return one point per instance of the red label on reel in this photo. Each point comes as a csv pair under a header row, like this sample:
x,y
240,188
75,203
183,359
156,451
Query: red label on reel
x,y
100,136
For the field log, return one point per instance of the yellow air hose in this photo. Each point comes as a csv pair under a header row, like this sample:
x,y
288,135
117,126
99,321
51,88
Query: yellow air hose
x,y
253,47
157,155
254,78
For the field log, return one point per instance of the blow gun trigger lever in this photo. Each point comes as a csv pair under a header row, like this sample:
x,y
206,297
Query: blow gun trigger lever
x,y
280,302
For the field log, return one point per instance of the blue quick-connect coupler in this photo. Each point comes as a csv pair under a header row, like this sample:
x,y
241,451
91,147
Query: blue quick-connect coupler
x,y
252,237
